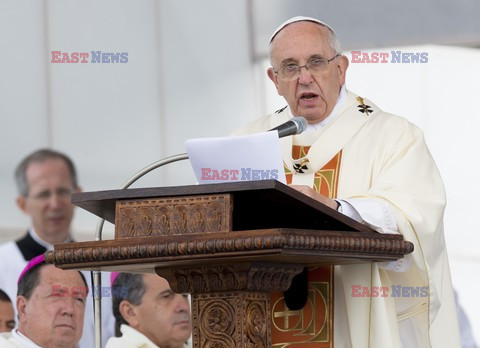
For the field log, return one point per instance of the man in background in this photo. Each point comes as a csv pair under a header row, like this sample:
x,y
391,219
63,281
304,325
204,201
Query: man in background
x,y
45,181
51,305
7,315
148,313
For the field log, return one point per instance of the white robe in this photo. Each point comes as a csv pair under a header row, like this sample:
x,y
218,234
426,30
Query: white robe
x,y
11,265
16,339
130,338
9,341
385,158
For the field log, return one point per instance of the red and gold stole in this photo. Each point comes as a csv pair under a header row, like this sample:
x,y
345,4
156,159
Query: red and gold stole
x,y
312,326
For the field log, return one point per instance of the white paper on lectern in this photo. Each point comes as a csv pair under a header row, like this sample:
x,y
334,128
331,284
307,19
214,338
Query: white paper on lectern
x,y
240,158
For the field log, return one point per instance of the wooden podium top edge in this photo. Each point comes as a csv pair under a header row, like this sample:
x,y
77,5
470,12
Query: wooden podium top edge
x,y
165,191
102,203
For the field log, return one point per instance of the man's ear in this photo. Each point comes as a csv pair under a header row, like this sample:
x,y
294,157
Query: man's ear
x,y
22,203
271,74
129,313
342,67
21,309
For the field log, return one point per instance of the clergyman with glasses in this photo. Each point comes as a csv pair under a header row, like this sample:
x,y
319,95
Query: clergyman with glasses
x,y
45,181
376,168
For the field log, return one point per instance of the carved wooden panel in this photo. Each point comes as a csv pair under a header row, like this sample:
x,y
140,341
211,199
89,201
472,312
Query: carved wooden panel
x,y
173,216
231,319
245,276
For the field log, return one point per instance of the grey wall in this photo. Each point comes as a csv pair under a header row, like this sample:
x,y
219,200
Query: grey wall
x,y
189,74
376,23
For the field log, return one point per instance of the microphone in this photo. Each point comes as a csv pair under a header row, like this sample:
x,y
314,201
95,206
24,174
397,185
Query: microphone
x,y
296,125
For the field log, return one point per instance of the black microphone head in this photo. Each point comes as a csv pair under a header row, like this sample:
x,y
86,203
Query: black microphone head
x,y
301,123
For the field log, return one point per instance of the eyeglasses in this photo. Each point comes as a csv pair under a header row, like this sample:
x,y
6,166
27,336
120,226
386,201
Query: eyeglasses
x,y
315,66
62,193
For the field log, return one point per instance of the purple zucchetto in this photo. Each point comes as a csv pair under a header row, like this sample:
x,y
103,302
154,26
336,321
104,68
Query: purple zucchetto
x,y
31,264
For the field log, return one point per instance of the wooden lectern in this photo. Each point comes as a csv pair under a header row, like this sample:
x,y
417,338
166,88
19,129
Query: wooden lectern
x,y
229,245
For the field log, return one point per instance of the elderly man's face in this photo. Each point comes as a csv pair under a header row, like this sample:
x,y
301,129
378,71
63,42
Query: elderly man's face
x,y
7,320
48,318
163,316
312,97
48,201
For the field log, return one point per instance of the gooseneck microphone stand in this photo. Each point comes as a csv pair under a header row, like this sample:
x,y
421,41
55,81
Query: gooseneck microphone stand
x,y
96,275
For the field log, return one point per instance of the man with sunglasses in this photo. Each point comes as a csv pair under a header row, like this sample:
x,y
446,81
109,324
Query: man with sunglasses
x,y
375,168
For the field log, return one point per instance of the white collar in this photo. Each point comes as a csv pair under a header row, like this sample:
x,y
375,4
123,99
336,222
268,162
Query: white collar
x,y
24,340
40,241
135,336
342,96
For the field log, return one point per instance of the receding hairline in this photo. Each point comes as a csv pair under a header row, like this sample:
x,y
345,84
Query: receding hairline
x,y
48,160
41,156
45,266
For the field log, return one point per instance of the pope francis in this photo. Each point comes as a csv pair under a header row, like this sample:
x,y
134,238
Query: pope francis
x,y
376,168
